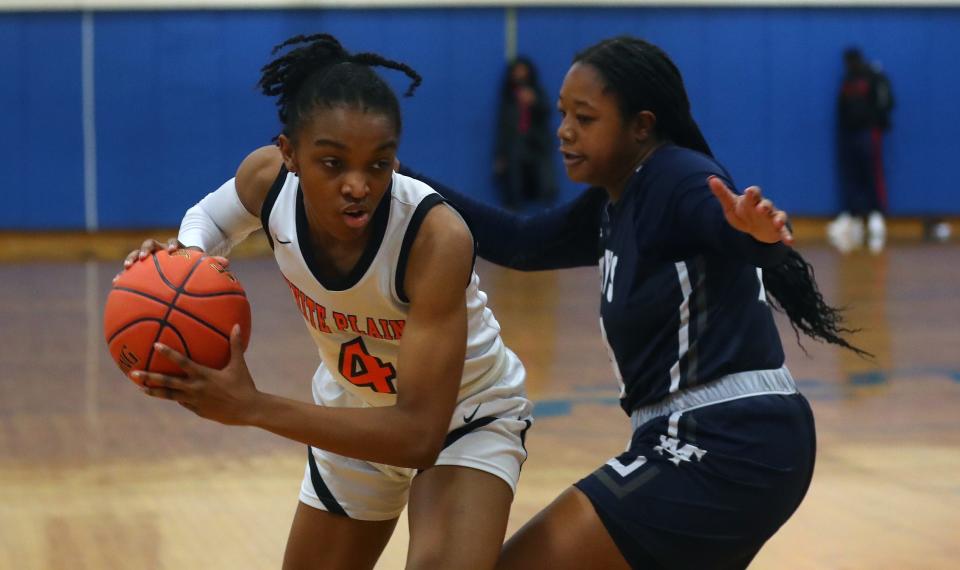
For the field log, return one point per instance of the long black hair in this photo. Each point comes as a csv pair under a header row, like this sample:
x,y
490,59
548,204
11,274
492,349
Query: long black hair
x,y
319,71
644,78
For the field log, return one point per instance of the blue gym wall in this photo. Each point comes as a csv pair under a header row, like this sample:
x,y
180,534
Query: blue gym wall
x,y
176,108
41,141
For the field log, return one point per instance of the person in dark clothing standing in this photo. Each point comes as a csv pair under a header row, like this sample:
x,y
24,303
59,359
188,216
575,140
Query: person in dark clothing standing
x,y
723,443
864,105
523,158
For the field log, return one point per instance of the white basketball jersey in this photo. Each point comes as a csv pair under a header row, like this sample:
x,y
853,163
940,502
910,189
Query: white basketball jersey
x,y
357,322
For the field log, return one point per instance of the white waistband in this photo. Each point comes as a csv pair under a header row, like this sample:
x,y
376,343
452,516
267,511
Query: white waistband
x,y
724,389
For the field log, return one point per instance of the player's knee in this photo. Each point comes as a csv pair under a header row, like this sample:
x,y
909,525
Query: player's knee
x,y
447,557
426,560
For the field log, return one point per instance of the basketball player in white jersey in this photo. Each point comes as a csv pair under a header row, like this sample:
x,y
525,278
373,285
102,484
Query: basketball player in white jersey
x,y
417,400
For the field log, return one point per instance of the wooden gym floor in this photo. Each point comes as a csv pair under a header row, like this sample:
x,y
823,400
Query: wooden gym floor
x,y
94,475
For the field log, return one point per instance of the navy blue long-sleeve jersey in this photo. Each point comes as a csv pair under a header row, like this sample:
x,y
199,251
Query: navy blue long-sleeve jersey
x,y
681,296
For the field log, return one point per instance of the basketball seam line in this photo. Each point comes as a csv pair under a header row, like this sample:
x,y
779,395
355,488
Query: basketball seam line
x,y
183,288
222,294
131,323
173,302
183,341
169,306
156,263
176,308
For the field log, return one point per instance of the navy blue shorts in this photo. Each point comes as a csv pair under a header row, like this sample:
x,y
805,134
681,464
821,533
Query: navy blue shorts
x,y
706,488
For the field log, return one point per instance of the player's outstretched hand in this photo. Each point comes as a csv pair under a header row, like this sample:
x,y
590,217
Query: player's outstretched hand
x,y
752,213
227,396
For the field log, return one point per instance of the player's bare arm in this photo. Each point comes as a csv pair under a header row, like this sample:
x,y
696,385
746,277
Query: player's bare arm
x,y
431,360
433,349
430,364
256,174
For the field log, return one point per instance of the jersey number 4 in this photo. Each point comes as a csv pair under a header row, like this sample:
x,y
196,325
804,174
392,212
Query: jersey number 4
x,y
363,369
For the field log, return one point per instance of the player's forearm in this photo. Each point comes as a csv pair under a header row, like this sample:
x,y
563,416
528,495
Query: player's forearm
x,y
387,435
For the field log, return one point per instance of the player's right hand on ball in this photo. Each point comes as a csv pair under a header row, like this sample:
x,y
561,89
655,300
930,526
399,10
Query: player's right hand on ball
x,y
149,246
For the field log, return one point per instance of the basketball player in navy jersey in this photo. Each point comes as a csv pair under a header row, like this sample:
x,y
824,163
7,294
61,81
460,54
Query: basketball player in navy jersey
x,y
723,445
416,395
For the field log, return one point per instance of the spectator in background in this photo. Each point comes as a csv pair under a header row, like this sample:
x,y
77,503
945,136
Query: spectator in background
x,y
863,115
523,158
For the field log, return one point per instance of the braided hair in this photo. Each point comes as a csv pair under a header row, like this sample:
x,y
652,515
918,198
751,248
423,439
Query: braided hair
x,y
319,71
643,78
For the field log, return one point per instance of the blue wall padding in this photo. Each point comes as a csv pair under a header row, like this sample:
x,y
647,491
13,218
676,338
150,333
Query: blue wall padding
x,y
41,130
177,108
763,84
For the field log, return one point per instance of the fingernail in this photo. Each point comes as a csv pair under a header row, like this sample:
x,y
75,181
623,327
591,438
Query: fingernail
x,y
158,346
143,254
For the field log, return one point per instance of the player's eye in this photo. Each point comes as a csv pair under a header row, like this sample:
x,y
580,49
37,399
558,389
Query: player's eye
x,y
331,162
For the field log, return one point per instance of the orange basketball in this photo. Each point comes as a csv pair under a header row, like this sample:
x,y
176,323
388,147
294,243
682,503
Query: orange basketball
x,y
184,300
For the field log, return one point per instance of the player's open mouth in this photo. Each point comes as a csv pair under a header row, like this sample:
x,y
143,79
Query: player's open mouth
x,y
571,159
356,218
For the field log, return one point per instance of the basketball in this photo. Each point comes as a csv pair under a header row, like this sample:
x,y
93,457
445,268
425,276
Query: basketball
x,y
185,300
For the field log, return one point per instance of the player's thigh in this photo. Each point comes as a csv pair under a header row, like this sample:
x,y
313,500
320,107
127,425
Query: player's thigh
x,y
458,518
319,539
567,535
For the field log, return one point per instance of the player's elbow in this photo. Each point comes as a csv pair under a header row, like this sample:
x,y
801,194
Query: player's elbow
x,y
424,446
426,459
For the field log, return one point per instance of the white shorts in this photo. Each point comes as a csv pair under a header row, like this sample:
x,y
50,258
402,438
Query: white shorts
x,y
487,433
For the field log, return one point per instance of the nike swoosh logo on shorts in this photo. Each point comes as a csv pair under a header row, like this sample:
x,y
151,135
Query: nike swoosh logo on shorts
x,y
281,241
468,419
